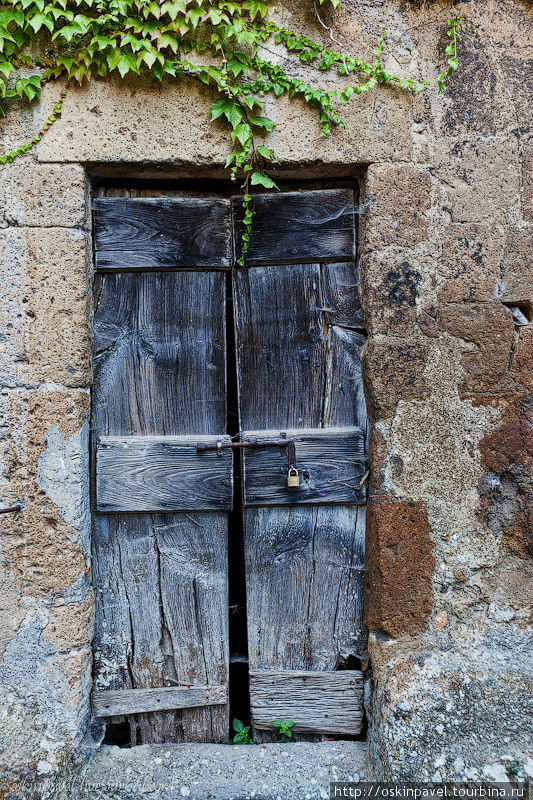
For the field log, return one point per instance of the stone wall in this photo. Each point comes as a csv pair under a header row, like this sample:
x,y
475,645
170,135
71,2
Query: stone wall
x,y
445,254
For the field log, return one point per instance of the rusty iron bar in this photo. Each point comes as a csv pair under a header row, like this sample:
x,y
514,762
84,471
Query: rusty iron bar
x,y
253,443
11,509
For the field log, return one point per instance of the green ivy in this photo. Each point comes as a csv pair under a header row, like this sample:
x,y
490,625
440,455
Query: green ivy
x,y
92,39
455,27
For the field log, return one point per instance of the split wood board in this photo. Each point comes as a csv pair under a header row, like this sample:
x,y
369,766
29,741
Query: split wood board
x,y
161,591
297,227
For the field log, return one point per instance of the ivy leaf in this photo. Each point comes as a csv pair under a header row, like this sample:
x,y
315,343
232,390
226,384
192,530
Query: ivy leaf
x,y
164,40
174,9
6,68
220,107
235,115
133,42
250,102
193,17
265,152
262,122
259,179
347,93
236,66
255,8
242,133
38,21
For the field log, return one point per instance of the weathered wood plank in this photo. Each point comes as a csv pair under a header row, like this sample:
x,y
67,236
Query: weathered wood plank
x,y
304,570
344,396
281,345
330,462
162,233
141,701
297,227
159,370
193,557
342,303
321,702
150,473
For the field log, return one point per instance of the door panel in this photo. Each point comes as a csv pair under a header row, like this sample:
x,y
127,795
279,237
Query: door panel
x,y
304,565
161,579
160,547
330,461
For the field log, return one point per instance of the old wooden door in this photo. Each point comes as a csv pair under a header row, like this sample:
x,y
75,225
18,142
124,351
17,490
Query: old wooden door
x,y
177,326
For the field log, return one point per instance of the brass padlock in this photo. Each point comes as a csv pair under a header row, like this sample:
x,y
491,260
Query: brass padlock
x,y
293,478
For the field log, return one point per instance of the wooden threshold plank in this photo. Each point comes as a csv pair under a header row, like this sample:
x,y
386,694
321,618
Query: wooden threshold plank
x,y
162,473
120,702
319,702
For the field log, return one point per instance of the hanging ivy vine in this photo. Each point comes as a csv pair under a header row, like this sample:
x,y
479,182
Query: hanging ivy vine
x,y
92,39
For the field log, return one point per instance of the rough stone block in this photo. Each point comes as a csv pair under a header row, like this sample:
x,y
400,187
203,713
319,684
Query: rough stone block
x,y
44,308
399,568
443,716
46,468
490,327
135,121
394,371
43,195
506,487
521,367
398,197
485,111
217,772
517,284
377,127
389,290
517,73
70,626
527,181
471,257
481,179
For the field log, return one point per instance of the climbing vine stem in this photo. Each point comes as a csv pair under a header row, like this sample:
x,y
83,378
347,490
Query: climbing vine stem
x,y
219,43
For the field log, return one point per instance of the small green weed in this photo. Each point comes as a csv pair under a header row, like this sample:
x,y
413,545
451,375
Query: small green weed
x,y
283,729
242,735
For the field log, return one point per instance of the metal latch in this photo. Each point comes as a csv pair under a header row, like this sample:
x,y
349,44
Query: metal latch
x,y
293,478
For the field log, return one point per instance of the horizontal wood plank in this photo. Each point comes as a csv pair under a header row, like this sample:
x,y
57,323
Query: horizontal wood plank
x,y
117,702
162,233
295,227
317,702
162,473
330,463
